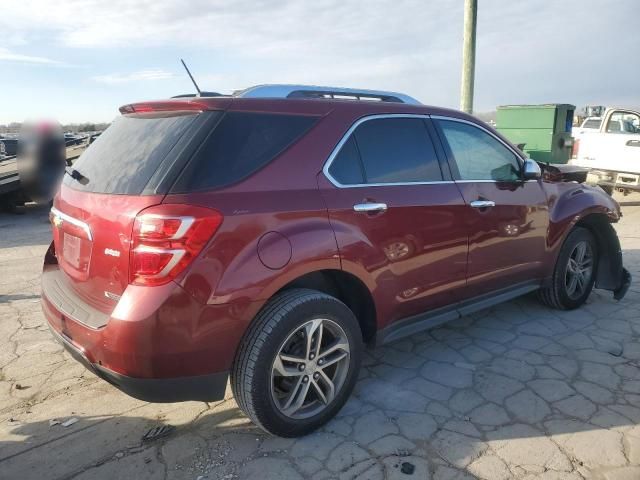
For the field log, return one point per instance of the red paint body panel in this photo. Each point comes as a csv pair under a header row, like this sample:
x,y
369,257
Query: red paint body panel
x,y
414,254
428,250
160,332
110,221
507,243
229,269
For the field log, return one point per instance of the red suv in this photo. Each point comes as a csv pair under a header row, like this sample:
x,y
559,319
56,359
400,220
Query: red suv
x,y
269,235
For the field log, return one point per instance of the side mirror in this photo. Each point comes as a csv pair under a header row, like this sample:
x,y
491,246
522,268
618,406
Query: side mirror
x,y
531,170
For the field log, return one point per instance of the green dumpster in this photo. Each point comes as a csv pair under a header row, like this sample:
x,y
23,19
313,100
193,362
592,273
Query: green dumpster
x,y
545,130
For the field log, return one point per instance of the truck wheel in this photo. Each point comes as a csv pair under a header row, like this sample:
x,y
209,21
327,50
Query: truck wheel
x,y
575,272
298,362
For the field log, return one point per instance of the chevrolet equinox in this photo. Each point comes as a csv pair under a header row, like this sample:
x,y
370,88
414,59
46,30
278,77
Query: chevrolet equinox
x,y
266,237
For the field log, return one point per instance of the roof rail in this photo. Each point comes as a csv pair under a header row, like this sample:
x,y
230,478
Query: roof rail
x,y
202,94
311,91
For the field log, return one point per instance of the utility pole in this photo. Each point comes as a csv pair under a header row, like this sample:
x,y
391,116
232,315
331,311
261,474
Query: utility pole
x,y
468,55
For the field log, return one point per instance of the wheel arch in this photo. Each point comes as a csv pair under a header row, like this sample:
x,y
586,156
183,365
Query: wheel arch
x,y
609,268
347,288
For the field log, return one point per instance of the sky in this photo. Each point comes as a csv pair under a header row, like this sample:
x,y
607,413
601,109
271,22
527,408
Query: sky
x,y
79,60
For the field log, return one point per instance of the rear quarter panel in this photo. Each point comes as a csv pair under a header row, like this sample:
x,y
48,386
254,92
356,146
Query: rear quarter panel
x,y
244,261
282,197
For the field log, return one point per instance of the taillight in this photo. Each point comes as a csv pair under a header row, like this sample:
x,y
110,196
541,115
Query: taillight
x,y
166,238
575,148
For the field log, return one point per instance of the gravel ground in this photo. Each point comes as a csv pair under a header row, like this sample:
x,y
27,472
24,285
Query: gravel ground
x,y
516,391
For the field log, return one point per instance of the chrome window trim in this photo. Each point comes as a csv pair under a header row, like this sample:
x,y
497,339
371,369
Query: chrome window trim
x,y
74,221
494,181
345,138
360,121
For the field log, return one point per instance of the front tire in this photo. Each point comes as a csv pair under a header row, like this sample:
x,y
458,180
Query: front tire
x,y
575,271
298,362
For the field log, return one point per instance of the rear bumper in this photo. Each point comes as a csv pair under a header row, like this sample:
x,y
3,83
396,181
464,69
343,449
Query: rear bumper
x,y
158,344
614,179
162,390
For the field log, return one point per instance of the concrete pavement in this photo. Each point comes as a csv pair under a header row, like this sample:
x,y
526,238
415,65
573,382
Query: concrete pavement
x,y
517,391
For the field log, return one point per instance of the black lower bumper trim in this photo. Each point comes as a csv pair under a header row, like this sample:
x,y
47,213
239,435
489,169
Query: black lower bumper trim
x,y
204,388
621,291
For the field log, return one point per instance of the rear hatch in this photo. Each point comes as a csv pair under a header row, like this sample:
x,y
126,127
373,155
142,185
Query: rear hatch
x,y
120,174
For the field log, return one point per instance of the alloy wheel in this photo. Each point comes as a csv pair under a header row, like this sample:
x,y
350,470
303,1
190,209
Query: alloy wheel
x,y
579,270
310,368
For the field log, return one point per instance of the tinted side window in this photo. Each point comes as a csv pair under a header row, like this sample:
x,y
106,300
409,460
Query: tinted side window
x,y
623,122
478,155
397,150
238,146
346,167
592,123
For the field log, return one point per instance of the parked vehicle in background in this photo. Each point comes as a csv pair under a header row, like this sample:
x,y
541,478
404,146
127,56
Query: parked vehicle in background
x,y
610,147
10,146
27,176
268,236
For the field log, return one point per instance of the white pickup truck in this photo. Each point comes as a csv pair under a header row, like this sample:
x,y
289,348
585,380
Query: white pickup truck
x,y
610,147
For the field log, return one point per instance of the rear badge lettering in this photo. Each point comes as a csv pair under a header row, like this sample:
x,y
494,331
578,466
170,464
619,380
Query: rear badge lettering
x,y
111,252
111,296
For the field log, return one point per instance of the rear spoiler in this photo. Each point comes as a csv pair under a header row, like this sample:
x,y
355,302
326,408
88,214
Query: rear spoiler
x,y
163,106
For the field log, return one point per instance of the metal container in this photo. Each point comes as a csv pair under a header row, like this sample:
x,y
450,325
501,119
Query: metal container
x,y
545,130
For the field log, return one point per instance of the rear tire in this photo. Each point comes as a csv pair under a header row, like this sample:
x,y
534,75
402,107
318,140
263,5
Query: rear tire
x,y
276,365
575,272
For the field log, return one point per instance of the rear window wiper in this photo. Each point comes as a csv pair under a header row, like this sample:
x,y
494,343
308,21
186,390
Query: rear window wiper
x,y
76,175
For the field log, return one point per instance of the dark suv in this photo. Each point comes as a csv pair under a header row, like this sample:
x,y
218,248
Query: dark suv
x,y
269,235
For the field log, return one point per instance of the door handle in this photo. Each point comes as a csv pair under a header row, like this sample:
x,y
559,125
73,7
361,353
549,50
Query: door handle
x,y
482,204
370,207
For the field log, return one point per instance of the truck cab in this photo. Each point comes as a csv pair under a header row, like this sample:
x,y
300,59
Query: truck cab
x,y
610,147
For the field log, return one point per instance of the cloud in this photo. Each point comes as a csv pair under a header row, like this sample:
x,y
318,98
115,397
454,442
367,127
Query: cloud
x,y
533,51
139,76
9,56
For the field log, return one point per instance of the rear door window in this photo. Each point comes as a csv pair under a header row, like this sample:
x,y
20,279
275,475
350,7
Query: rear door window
x,y
347,168
623,122
397,150
124,158
592,123
387,150
239,145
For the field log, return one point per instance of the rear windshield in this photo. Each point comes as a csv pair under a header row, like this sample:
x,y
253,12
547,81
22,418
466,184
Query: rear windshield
x,y
592,123
123,159
238,146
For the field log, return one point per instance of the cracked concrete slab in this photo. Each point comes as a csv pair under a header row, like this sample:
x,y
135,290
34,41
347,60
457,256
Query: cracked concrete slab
x,y
517,391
